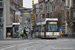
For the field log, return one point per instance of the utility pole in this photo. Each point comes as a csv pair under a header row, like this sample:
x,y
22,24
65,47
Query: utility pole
x,y
33,15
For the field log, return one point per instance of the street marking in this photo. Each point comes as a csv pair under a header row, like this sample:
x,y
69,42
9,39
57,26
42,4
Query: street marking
x,y
9,47
27,43
18,45
24,44
25,49
33,49
22,49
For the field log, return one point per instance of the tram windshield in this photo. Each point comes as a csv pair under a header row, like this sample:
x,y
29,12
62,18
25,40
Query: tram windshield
x,y
52,27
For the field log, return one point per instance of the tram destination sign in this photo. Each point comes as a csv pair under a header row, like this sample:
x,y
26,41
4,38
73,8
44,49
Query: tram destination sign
x,y
52,22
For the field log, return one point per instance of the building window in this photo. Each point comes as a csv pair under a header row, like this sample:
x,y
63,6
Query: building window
x,y
68,2
46,8
15,0
1,3
1,13
73,1
73,13
63,0
52,0
36,16
41,7
56,0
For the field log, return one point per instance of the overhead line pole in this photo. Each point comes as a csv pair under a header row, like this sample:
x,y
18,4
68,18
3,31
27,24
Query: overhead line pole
x,y
33,16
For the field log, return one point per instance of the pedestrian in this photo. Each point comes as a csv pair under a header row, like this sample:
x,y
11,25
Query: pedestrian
x,y
32,31
25,32
28,33
22,35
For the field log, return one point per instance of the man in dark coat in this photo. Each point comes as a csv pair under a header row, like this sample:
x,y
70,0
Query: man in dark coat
x,y
25,32
32,31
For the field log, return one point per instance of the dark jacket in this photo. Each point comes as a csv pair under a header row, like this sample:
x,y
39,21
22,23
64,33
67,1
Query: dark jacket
x,y
25,32
32,31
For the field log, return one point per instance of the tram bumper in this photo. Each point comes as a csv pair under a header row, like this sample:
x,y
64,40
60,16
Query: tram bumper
x,y
49,36
52,34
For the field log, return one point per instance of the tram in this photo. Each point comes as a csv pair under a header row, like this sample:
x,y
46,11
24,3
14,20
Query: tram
x,y
47,28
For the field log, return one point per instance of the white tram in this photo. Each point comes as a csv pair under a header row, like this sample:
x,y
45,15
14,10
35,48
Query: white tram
x,y
47,28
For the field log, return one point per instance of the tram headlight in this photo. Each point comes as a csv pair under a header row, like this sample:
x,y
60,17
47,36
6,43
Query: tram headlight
x,y
47,34
57,33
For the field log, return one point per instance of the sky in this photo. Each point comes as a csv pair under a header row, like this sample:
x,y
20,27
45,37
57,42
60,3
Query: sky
x,y
28,3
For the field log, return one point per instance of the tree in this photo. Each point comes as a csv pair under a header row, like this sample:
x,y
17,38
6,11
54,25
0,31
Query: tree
x,y
60,14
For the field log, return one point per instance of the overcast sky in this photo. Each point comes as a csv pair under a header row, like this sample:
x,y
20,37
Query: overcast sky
x,y
28,3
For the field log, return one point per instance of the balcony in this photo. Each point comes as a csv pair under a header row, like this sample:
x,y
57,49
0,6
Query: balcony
x,y
1,4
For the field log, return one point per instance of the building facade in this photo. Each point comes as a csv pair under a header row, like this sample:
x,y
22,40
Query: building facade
x,y
70,16
14,9
15,17
4,17
9,10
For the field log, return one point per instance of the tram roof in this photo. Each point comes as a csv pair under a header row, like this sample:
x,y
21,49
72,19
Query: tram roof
x,y
43,21
46,19
51,19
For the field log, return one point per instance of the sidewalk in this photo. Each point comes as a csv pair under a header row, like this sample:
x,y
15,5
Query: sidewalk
x,y
11,39
15,39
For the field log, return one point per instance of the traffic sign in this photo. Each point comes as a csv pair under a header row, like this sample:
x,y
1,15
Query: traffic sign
x,y
2,21
60,29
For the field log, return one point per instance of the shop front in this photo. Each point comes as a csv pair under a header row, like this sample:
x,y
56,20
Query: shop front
x,y
9,31
16,30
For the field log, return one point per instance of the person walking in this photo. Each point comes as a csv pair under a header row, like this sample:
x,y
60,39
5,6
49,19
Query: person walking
x,y
22,35
32,31
25,32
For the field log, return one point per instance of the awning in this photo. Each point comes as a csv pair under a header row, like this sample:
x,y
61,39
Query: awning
x,y
21,6
9,26
15,23
15,2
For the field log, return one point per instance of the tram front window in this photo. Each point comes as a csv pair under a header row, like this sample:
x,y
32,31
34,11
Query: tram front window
x,y
52,27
